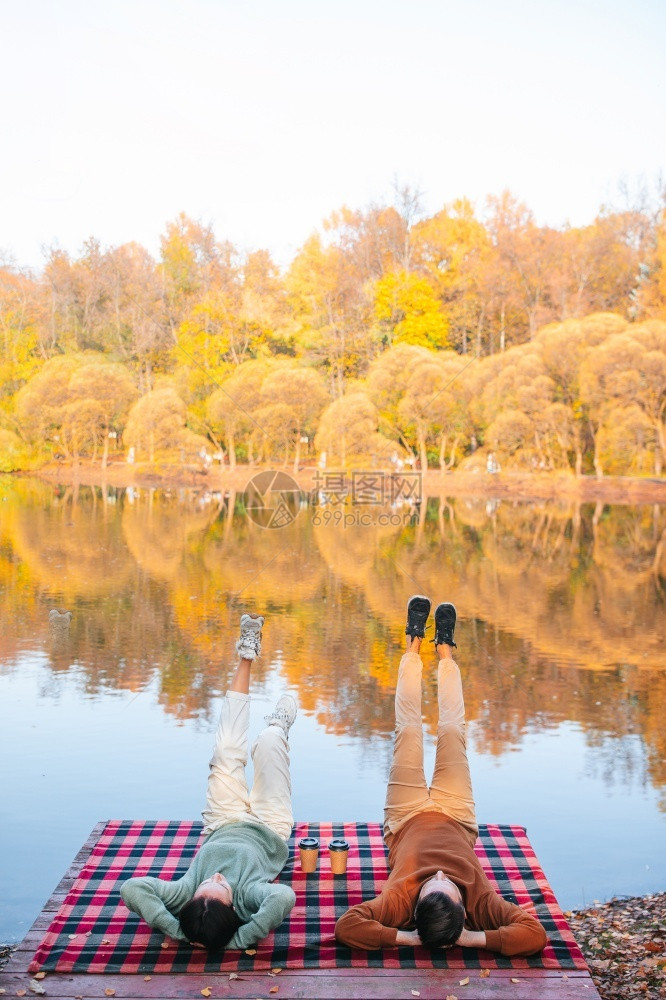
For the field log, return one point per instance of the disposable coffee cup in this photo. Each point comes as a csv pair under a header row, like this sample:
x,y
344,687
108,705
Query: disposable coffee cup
x,y
309,849
338,851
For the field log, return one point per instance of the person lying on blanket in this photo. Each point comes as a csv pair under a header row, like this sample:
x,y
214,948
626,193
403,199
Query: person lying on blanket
x,y
227,897
436,894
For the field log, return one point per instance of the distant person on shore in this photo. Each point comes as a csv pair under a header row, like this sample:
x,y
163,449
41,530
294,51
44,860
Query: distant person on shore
x,y
436,894
227,897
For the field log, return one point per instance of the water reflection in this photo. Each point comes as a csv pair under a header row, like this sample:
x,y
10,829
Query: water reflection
x,y
562,608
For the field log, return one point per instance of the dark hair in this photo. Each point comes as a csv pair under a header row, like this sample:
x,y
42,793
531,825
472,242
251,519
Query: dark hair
x,y
439,920
208,922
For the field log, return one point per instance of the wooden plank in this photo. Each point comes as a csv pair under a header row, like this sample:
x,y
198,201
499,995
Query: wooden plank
x,y
55,899
324,984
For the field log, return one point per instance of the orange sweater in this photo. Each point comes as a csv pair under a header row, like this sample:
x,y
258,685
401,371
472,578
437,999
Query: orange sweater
x,y
425,844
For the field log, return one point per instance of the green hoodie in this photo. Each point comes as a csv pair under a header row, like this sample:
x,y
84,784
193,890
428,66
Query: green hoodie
x,y
250,856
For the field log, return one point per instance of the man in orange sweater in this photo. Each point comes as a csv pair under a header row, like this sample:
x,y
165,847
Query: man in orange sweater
x,y
436,894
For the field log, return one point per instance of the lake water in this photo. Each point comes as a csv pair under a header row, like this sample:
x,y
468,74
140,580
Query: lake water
x,y
562,618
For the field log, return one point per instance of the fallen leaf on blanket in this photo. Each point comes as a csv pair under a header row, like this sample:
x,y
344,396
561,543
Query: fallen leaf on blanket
x,y
108,992
277,970
250,951
72,936
233,975
450,996
36,987
105,941
515,980
273,989
88,933
415,993
206,991
21,993
147,979
484,973
40,975
463,982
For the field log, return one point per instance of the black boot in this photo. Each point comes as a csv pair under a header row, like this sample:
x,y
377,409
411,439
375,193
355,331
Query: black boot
x,y
445,624
418,609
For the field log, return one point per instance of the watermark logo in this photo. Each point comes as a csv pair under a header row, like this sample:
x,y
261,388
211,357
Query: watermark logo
x,y
272,499
362,499
366,498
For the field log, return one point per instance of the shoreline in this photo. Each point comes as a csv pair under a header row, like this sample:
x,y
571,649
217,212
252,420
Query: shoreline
x,y
503,485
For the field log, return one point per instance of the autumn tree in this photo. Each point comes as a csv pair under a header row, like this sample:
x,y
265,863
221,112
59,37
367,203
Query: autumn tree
x,y
347,434
109,392
526,254
416,416
292,401
20,350
652,293
387,381
74,402
330,312
626,371
232,408
453,248
407,311
157,424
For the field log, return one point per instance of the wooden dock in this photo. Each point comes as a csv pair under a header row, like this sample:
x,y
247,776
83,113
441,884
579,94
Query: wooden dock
x,y
327,984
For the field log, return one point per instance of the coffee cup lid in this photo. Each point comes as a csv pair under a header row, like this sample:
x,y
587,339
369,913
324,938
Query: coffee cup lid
x,y
338,845
308,843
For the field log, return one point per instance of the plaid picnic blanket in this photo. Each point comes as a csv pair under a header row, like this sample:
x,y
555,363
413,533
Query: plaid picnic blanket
x,y
93,931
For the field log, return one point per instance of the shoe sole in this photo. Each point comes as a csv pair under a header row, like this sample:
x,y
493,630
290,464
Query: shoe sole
x,y
257,623
446,604
419,597
293,702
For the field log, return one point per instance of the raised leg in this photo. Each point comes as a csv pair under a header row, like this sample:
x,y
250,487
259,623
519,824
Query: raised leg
x,y
407,791
451,788
270,798
227,796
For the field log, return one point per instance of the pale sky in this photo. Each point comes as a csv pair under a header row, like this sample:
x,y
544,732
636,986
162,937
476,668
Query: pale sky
x,y
263,116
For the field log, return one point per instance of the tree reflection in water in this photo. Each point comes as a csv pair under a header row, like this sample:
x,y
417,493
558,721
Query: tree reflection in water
x,y
561,607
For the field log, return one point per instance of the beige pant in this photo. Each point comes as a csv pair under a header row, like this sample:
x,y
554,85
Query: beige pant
x,y
228,798
451,789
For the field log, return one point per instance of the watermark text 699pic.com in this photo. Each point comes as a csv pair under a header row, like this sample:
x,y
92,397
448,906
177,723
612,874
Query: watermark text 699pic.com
x,y
365,498
361,498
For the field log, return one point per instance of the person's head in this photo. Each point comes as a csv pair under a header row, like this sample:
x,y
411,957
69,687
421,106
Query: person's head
x,y
209,919
439,913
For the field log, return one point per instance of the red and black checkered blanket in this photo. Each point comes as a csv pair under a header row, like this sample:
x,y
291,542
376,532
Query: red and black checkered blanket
x,y
93,931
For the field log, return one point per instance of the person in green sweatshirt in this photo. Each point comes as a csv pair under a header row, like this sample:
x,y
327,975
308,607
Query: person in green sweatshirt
x,y
227,897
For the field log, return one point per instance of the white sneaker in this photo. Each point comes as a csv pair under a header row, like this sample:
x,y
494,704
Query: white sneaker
x,y
248,646
283,714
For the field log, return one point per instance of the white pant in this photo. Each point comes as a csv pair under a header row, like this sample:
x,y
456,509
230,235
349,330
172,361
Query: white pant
x,y
228,798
